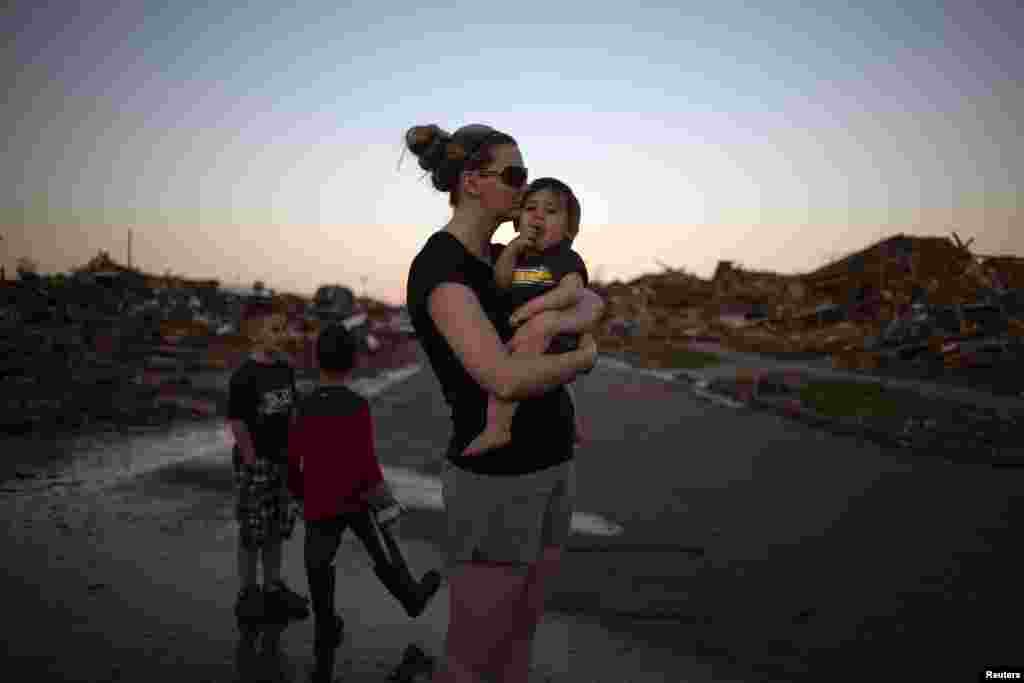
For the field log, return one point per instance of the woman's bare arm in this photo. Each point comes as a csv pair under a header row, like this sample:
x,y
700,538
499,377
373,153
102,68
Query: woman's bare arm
x,y
457,313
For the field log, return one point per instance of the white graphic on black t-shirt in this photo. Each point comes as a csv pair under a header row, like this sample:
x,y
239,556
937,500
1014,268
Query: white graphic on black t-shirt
x,y
275,402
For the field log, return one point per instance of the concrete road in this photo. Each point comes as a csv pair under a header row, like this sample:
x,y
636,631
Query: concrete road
x,y
760,549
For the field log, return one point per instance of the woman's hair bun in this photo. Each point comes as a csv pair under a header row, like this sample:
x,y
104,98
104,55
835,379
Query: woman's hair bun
x,y
445,155
428,143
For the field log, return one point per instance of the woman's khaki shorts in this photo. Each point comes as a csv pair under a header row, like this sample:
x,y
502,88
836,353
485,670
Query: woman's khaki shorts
x,y
506,519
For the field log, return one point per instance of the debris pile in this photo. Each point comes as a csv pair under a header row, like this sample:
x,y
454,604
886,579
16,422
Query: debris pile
x,y
110,344
928,293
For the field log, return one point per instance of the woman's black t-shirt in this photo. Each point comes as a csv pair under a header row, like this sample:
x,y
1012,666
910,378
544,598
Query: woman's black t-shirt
x,y
542,428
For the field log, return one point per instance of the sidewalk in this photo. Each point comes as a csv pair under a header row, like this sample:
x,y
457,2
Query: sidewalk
x,y
959,424
733,360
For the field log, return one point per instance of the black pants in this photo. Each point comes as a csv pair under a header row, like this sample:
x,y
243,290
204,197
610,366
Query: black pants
x,y
322,540
323,537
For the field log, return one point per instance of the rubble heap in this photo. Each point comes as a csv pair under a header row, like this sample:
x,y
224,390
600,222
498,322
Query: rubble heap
x,y
929,291
112,344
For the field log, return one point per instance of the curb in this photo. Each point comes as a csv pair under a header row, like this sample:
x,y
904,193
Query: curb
x,y
937,444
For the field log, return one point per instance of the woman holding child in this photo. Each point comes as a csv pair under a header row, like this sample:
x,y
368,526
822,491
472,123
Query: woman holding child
x,y
508,502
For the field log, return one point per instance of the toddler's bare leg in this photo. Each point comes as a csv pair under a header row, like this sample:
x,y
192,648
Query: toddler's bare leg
x,y
498,431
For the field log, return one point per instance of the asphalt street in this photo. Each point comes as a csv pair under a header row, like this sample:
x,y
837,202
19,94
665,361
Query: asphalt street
x,y
762,547
752,548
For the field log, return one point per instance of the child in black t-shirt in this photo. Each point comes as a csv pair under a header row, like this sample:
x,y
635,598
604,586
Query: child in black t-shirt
x,y
261,398
537,271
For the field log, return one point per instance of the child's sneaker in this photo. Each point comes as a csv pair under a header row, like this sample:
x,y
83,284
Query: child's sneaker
x,y
283,601
411,594
250,605
414,663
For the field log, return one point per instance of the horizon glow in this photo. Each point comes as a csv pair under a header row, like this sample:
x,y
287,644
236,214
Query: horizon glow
x,y
258,143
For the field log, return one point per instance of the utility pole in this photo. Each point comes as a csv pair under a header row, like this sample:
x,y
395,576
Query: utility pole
x,y
129,247
364,279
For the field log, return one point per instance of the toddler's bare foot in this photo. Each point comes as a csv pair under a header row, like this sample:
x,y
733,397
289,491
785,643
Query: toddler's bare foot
x,y
490,439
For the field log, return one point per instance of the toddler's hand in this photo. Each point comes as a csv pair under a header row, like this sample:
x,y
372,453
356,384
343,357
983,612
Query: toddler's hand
x,y
520,316
537,333
589,346
531,234
523,241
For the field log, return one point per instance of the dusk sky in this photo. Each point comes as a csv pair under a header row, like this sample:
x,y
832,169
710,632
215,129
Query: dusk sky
x,y
263,142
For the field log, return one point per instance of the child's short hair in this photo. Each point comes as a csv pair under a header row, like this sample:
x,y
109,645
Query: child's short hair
x,y
572,204
336,349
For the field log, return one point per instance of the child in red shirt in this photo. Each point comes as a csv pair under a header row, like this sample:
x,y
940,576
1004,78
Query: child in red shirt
x,y
333,469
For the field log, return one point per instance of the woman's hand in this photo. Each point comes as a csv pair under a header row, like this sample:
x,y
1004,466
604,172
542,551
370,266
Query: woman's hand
x,y
588,346
520,315
536,334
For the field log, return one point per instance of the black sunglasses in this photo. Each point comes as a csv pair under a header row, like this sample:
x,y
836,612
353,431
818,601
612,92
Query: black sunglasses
x,y
513,176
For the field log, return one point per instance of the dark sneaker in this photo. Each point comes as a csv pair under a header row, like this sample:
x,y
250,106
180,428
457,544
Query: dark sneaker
x,y
250,605
282,600
429,585
414,663
411,594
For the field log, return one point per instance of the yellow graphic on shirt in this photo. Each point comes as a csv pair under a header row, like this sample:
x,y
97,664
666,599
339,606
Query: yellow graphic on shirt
x,y
532,276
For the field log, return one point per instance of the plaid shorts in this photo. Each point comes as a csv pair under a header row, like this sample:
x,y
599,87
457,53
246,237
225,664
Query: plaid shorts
x,y
263,505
